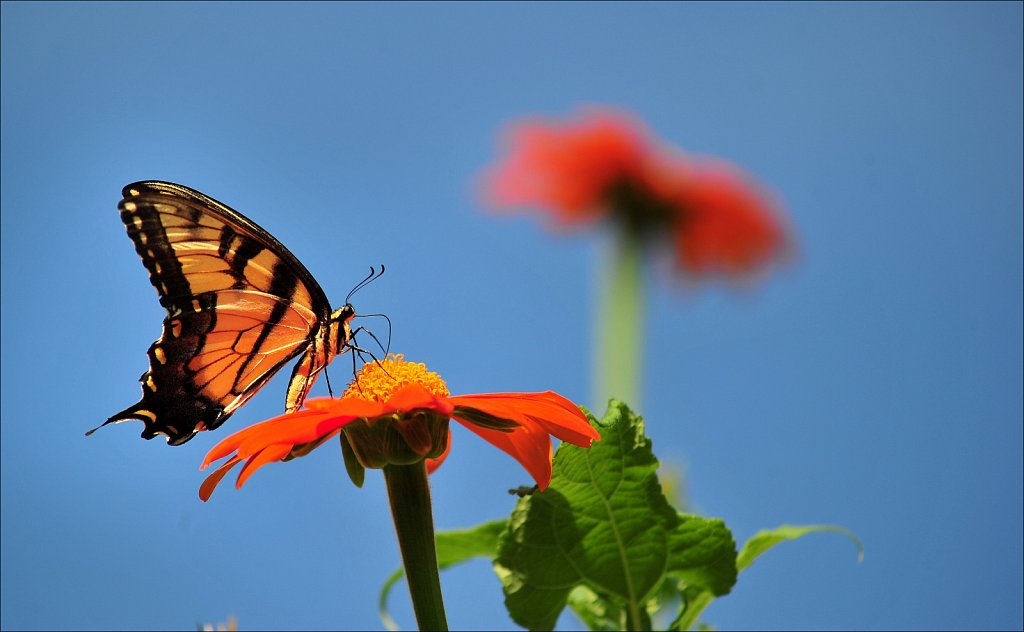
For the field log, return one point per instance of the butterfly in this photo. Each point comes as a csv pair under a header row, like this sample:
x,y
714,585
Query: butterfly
x,y
239,307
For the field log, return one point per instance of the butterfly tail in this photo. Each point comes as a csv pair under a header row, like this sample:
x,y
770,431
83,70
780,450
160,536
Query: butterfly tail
x,y
155,426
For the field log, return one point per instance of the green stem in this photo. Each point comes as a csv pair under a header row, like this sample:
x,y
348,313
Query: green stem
x,y
620,328
409,494
637,619
689,617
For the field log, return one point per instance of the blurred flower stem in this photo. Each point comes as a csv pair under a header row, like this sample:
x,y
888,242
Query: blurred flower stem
x,y
409,494
620,320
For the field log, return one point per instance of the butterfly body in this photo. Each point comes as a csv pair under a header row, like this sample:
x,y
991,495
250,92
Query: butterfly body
x,y
239,307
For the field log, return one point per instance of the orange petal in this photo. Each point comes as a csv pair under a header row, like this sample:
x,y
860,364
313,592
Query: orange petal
x,y
269,455
528,444
413,396
321,419
211,482
731,224
554,413
292,431
567,167
347,406
273,440
433,464
224,447
231,443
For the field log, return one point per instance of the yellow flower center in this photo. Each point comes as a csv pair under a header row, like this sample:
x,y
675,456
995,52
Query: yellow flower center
x,y
376,382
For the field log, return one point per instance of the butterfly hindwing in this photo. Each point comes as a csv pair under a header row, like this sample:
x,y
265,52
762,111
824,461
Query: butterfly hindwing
x,y
239,306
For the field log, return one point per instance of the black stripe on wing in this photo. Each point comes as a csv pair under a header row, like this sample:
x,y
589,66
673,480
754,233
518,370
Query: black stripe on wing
x,y
236,233
171,404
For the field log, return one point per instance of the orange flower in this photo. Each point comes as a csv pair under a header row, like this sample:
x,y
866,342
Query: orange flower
x,y
397,412
605,164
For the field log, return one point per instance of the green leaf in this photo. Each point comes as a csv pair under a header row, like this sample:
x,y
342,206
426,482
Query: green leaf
x,y
694,601
453,547
594,611
605,524
766,539
703,554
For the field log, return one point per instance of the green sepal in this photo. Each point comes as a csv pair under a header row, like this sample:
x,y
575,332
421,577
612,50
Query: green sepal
x,y
356,472
404,439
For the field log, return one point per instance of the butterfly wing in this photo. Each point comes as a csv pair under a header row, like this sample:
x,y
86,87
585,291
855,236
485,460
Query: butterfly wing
x,y
239,306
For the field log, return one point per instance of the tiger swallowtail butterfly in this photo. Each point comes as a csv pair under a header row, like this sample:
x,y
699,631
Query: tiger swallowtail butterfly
x,y
239,307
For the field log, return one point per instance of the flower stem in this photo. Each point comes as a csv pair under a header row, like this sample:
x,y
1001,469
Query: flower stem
x,y
409,494
620,318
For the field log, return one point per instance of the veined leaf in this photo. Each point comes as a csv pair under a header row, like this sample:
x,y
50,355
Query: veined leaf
x,y
605,524
695,600
767,538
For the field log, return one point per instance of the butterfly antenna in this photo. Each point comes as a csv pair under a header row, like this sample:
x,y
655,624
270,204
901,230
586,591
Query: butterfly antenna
x,y
351,344
348,297
373,276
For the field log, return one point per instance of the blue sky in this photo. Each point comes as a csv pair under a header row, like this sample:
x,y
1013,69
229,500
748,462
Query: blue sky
x,y
874,383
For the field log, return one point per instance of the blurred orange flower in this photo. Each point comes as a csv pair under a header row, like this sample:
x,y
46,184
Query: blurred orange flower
x,y
412,405
605,164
